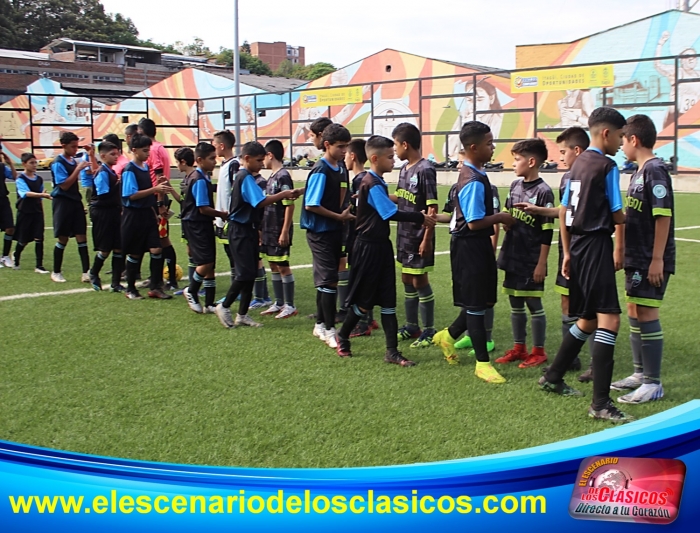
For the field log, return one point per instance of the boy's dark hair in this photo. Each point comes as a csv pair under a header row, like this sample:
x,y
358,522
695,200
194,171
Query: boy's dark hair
x,y
185,154
606,116
408,133
131,129
202,150
106,146
336,133
148,127
532,148
376,144
68,137
573,137
320,124
226,137
358,147
114,139
27,157
253,149
276,148
642,127
473,132
140,141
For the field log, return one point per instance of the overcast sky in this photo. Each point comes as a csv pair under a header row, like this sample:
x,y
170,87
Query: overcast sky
x,y
470,31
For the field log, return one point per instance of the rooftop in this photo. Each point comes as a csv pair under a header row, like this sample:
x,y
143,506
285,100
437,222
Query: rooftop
x,y
57,42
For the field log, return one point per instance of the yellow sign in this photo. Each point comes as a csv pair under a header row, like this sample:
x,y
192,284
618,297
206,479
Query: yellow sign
x,y
560,79
332,96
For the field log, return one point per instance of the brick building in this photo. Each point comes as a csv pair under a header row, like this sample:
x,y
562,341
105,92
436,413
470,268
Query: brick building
x,y
274,54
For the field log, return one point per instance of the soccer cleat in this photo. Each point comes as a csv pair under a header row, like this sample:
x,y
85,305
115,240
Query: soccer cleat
x,y
408,332
158,294
343,348
575,365
144,284
517,353
447,345
648,392
16,267
464,343
41,270
490,347
95,282
245,320
319,331
374,325
194,304
181,292
224,314
488,373
587,376
85,278
629,383
272,310
329,337
536,358
395,358
133,295
341,315
7,261
425,339
361,330
258,303
287,311
610,412
117,288
558,388
209,310
57,277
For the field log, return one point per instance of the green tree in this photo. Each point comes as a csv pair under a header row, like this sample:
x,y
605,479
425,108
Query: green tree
x,y
197,48
8,35
248,62
245,47
318,70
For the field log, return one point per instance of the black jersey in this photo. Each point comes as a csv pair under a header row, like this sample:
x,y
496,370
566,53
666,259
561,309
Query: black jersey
x,y
273,217
474,201
106,189
592,194
3,176
452,198
326,187
26,204
374,208
135,179
185,184
650,195
521,247
245,198
416,191
61,170
199,193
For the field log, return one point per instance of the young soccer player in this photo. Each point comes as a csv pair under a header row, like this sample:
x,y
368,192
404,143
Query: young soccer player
x,y
140,220
244,218
650,259
87,175
68,211
525,251
106,214
323,217
198,225
277,233
592,206
30,212
415,245
373,273
7,223
474,274
224,142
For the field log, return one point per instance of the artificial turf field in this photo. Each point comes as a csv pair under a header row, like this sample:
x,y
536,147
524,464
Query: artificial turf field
x,y
96,373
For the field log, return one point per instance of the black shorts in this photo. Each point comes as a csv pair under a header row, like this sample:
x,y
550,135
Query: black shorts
x,y
373,275
474,273
68,217
106,228
6,219
326,252
202,241
523,287
30,227
562,284
412,262
639,291
275,254
139,230
592,284
243,241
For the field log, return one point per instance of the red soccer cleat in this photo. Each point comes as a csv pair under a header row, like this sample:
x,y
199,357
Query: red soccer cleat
x,y
536,358
517,353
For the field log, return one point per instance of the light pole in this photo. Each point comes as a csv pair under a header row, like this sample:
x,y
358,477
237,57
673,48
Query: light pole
x,y
236,78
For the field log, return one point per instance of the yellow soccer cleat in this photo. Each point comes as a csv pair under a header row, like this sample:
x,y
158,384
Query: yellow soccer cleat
x,y
446,343
489,374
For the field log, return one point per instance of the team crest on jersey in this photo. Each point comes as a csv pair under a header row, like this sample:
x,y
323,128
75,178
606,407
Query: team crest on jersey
x,y
495,203
413,180
410,258
639,181
549,205
659,191
286,187
636,279
533,200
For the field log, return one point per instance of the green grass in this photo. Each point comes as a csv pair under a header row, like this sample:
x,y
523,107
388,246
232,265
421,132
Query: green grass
x,y
151,380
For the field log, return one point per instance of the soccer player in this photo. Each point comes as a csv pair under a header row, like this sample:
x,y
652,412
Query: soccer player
x,y
7,224
323,217
198,225
30,212
650,259
244,218
184,161
474,273
224,142
140,220
373,273
525,251
277,233
592,207
415,245
68,211
87,175
106,213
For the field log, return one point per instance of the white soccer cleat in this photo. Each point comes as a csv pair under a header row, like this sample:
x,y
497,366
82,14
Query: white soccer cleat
x,y
209,310
7,261
57,277
648,392
245,320
329,337
272,310
41,270
224,314
320,331
287,312
629,383
85,278
194,304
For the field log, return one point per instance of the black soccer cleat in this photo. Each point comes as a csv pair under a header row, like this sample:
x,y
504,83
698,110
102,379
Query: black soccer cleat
x,y
343,349
587,376
395,358
610,412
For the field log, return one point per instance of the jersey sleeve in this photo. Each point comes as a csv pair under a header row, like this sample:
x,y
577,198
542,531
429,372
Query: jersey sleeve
x,y
129,185
547,200
379,200
496,199
223,195
286,184
658,190
315,188
471,201
8,173
449,205
428,181
612,189
251,192
565,196
102,182
60,174
200,193
22,188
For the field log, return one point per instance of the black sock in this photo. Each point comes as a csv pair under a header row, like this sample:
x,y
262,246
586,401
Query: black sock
x,y
233,292
98,264
132,270
602,354
191,267
328,302
39,251
195,284
319,305
570,347
171,262
477,333
459,326
58,257
117,268
18,253
7,242
391,329
209,292
246,297
260,284
353,317
84,256
156,271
